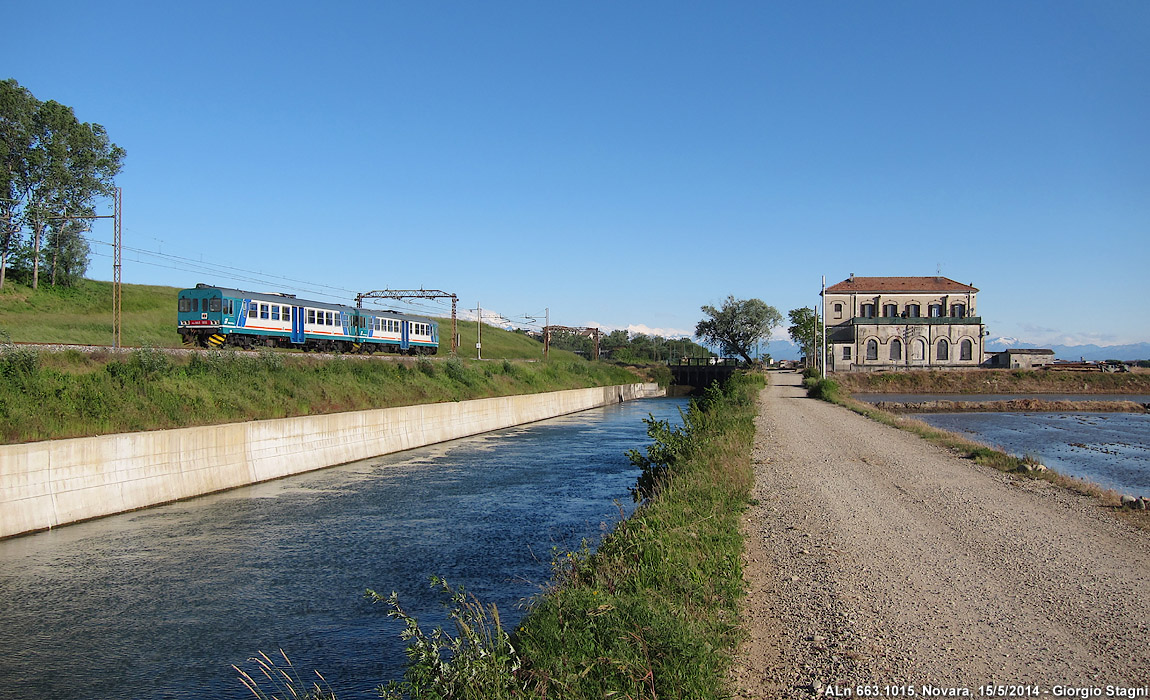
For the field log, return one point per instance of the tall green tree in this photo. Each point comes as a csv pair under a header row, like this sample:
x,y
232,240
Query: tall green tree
x,y
738,324
56,169
17,111
804,331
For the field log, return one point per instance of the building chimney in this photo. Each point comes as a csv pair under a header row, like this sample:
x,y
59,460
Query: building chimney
x,y
852,277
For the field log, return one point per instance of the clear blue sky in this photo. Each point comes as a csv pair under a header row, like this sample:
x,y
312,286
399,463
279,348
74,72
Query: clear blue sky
x,y
623,163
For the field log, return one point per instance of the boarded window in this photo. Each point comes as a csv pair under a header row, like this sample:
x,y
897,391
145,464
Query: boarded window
x,y
867,310
872,349
943,350
965,350
890,310
896,349
912,310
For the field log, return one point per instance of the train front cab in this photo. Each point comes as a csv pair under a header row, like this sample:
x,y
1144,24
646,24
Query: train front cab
x,y
202,315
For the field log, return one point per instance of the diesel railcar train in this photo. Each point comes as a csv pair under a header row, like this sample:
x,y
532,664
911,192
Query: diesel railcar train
x,y
210,316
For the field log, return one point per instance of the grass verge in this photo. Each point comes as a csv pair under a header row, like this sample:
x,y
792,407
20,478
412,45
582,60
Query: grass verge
x,y
1022,467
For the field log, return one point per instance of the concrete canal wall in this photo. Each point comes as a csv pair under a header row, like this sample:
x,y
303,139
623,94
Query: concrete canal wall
x,y
52,483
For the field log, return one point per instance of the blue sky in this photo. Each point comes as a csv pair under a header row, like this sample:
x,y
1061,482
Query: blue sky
x,y
623,164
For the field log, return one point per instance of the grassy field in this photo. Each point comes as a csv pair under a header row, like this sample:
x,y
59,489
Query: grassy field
x,y
82,315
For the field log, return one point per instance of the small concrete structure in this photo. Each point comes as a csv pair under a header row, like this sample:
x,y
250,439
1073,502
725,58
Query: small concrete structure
x,y
52,483
1020,358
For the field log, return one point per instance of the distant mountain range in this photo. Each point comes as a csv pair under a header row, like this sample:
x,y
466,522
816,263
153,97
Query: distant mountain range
x,y
1136,351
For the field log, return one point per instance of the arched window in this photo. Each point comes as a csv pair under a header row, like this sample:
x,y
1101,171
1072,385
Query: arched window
x,y
872,349
896,349
918,350
912,310
943,352
958,310
867,310
965,350
890,310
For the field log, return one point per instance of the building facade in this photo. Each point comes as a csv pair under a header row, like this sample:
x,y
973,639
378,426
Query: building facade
x,y
877,323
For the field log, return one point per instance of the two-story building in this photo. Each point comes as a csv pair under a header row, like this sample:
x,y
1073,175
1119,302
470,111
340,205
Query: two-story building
x,y
902,323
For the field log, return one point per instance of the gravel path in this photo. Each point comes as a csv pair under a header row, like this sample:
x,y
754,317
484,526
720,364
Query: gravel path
x,y
875,559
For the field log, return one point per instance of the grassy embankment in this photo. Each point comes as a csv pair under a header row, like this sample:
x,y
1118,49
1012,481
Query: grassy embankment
x,y
1025,466
652,613
46,395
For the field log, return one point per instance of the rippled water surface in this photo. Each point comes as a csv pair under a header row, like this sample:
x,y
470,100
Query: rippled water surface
x,y
159,603
1110,449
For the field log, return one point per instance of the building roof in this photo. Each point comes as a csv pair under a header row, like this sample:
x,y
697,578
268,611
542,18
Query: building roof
x,y
1028,351
898,284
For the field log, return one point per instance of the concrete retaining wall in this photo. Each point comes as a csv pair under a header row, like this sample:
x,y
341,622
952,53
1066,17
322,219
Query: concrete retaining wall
x,y
47,484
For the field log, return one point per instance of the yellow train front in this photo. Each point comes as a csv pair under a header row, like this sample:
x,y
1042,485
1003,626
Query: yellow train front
x,y
209,316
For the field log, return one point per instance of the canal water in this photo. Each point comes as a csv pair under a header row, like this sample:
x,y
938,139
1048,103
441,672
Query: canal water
x,y
159,603
1110,449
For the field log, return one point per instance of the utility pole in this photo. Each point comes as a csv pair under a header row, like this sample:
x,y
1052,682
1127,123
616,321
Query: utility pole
x,y
823,356
479,332
117,259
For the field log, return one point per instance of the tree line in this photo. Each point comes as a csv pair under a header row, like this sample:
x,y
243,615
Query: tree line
x,y
54,169
623,346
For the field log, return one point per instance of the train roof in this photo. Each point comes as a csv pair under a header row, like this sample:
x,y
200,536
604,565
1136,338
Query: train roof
x,y
291,299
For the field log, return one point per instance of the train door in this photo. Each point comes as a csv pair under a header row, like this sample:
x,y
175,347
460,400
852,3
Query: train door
x,y
242,319
404,335
297,319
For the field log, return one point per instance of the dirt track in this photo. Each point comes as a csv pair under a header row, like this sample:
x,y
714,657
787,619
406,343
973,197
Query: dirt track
x,y
876,559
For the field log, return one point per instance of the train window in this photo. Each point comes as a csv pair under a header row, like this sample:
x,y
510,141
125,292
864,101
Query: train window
x,y
327,318
252,311
275,312
214,305
311,315
264,311
287,313
195,305
185,305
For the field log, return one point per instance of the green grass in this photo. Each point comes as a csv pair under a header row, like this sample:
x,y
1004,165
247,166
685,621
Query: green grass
x,y
45,395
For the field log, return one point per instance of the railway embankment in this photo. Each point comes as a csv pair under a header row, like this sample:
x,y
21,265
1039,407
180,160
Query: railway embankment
x,y
50,483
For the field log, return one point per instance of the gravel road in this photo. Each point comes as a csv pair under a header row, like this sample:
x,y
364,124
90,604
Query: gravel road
x,y
875,559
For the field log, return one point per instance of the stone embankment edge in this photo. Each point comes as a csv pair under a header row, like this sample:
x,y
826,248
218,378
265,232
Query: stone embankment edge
x,y
56,482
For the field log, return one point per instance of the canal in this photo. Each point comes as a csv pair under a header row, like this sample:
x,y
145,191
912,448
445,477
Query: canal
x,y
159,603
